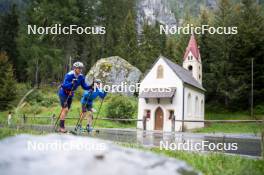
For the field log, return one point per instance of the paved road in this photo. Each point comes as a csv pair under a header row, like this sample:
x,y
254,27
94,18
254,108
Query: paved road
x,y
247,144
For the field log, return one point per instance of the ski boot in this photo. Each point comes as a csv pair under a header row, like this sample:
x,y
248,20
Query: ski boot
x,y
89,128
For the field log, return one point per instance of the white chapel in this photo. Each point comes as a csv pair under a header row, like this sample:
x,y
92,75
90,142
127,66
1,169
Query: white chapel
x,y
172,92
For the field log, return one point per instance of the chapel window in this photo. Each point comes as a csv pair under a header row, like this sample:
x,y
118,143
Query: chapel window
x,y
160,72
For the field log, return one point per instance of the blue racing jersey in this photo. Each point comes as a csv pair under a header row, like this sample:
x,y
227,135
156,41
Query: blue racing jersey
x,y
89,96
68,86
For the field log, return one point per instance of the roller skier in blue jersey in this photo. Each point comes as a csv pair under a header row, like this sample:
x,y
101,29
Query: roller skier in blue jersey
x,y
87,102
72,81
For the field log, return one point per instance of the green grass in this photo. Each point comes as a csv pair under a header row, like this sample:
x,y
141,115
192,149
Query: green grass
x,y
7,132
217,163
209,128
231,127
211,163
230,116
44,102
41,111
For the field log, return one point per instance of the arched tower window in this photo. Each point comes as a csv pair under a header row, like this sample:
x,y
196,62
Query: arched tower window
x,y
160,72
189,104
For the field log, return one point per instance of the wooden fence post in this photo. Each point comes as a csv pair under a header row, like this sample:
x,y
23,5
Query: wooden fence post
x,y
173,123
144,123
52,119
262,143
24,119
182,126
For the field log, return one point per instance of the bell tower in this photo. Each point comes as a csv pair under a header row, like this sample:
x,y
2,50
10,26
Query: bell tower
x,y
192,59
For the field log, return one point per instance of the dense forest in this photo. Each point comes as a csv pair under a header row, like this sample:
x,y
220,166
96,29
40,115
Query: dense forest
x,y
43,59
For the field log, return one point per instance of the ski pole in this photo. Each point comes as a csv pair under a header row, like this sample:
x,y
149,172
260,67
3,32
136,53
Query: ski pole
x,y
79,121
81,114
98,112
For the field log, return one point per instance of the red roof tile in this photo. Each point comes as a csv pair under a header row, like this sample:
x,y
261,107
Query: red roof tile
x,y
193,47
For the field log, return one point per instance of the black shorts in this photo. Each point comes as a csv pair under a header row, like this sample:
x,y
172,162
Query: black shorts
x,y
86,108
65,101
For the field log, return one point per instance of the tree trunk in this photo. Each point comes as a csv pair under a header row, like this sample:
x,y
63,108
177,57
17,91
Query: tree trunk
x,y
37,74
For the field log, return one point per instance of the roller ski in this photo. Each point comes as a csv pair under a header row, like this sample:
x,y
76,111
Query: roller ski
x,y
89,129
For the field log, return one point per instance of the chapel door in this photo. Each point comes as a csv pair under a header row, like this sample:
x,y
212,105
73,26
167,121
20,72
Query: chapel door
x,y
159,119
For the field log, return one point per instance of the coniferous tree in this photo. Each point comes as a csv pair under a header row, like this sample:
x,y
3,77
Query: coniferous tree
x,y
170,50
221,55
7,82
8,34
209,80
112,14
128,46
150,46
249,46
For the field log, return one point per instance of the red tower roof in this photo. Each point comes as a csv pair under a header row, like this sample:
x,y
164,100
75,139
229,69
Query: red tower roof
x,y
193,47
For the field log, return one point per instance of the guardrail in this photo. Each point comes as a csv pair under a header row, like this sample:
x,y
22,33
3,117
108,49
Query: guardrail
x,y
222,121
144,120
52,118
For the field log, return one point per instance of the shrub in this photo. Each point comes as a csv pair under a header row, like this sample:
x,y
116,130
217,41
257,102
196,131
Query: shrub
x,y
259,109
120,106
39,98
35,97
49,101
32,109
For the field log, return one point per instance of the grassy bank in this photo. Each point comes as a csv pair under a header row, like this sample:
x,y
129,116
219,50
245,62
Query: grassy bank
x,y
7,132
232,127
44,102
217,163
212,163
74,112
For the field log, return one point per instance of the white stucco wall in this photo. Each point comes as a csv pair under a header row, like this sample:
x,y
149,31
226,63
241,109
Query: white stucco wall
x,y
170,79
196,67
193,111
